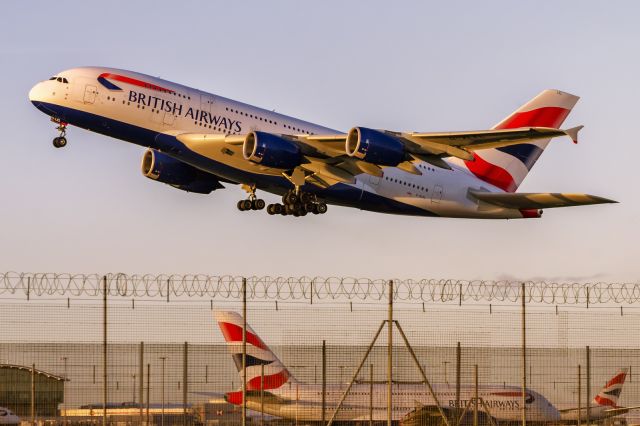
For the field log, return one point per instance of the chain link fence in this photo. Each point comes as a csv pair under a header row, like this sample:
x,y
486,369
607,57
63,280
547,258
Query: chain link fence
x,y
169,361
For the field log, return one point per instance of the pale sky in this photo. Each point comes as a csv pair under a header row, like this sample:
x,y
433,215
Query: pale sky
x,y
421,66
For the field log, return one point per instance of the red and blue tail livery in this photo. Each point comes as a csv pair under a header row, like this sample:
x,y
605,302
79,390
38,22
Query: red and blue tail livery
x,y
199,142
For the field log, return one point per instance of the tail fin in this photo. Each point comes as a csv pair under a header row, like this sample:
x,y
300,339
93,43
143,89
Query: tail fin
x,y
258,353
507,167
610,393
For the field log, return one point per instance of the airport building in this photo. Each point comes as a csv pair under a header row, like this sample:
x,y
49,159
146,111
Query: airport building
x,y
17,384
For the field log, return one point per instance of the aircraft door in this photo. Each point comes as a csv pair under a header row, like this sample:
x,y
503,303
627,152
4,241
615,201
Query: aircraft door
x,y
437,194
206,102
90,94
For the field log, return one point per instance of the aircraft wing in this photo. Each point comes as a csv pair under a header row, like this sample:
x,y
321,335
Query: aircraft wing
x,y
326,161
538,200
620,410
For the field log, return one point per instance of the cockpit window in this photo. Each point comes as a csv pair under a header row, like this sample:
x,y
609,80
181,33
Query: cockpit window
x,y
52,78
60,79
64,80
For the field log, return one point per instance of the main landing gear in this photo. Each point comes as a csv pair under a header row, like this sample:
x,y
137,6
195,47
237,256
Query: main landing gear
x,y
297,203
252,203
60,141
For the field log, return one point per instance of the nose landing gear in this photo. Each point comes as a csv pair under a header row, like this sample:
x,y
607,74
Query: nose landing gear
x,y
60,141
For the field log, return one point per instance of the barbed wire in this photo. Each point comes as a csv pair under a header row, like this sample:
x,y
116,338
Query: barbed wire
x,y
315,288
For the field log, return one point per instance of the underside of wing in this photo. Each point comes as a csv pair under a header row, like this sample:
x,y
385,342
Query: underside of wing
x,y
538,200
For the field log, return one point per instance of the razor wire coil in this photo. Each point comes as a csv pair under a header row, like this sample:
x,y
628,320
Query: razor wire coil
x,y
315,288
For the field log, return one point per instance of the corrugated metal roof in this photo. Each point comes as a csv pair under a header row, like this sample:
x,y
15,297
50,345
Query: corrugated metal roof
x,y
28,369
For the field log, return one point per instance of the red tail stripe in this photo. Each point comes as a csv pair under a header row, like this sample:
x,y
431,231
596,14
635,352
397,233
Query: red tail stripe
x,y
604,401
492,174
233,333
540,117
234,398
273,381
618,379
270,382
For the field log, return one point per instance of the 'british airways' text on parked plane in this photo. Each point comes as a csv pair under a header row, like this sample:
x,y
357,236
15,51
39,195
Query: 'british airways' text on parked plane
x,y
196,140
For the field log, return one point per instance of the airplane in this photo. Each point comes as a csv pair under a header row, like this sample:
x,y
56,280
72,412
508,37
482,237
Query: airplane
x,y
7,417
286,397
196,141
603,405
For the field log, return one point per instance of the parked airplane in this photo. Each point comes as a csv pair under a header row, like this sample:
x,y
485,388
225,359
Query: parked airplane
x,y
603,405
197,140
286,397
7,417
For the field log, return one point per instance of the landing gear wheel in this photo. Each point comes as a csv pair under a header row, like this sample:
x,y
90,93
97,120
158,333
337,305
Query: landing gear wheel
x,y
322,208
306,198
290,198
60,142
246,204
258,204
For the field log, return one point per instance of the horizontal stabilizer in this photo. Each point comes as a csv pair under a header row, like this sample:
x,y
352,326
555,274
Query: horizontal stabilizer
x,y
538,200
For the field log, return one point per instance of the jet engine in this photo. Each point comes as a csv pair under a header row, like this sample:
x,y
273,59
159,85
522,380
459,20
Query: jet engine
x,y
158,166
374,146
271,151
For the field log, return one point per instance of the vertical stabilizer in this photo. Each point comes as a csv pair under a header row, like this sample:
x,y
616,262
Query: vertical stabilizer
x,y
507,167
258,353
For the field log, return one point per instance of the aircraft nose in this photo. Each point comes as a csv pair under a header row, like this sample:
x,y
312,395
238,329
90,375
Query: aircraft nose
x,y
35,94
552,413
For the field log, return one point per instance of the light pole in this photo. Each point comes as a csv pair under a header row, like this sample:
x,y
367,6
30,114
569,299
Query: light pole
x,y
446,380
163,358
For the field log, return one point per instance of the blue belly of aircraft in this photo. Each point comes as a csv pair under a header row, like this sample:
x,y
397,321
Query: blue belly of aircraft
x,y
339,194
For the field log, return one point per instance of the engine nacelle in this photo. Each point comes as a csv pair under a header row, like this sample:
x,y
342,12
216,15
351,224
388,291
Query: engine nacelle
x,y
271,151
374,146
158,166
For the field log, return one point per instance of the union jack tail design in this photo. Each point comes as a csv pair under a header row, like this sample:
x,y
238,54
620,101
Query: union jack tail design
x,y
507,167
610,393
258,353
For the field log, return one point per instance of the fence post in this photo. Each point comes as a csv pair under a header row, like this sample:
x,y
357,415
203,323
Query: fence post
x,y
390,357
588,385
105,395
141,381
244,351
185,382
524,356
579,395
33,394
475,395
261,394
148,389
458,365
324,380
370,394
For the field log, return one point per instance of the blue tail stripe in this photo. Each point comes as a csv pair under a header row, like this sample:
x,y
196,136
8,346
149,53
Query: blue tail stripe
x,y
526,152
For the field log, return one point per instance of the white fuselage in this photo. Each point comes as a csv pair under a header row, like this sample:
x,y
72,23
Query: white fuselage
x,y
303,402
139,112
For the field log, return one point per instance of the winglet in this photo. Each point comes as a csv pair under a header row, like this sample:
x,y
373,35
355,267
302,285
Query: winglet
x,y
573,133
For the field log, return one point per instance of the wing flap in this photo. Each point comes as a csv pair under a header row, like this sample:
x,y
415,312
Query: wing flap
x,y
539,200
